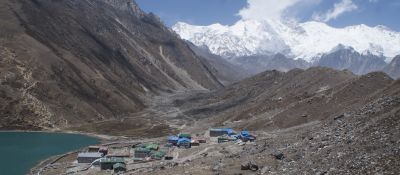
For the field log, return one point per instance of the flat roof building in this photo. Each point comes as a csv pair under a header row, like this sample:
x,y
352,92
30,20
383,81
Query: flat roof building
x,y
93,149
119,152
216,132
88,157
142,152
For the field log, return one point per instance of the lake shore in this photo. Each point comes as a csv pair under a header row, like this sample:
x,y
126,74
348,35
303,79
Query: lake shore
x,y
49,160
101,137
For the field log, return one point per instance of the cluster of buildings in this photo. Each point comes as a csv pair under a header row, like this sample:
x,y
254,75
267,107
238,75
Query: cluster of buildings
x,y
114,158
228,134
148,152
100,156
184,140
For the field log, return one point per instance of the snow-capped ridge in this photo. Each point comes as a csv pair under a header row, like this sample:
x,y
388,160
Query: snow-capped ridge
x,y
308,40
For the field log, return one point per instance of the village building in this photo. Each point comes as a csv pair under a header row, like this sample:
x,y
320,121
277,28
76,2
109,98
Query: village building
x,y
200,139
185,135
119,167
119,152
216,132
173,140
88,157
93,149
142,152
184,142
157,155
194,143
108,163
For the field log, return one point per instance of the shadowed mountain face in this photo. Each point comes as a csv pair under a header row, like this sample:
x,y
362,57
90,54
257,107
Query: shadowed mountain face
x,y
393,69
81,61
340,58
258,64
225,71
347,58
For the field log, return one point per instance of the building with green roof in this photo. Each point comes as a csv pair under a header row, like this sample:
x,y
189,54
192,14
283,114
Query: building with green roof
x,y
119,167
153,146
157,154
108,163
185,135
142,152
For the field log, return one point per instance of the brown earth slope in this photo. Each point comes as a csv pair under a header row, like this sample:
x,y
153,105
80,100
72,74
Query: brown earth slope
x,y
276,100
362,140
79,61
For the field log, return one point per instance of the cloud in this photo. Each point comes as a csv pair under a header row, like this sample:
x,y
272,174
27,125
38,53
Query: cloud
x,y
339,9
373,1
266,9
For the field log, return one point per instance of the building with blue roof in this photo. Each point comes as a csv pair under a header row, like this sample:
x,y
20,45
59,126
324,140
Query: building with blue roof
x,y
184,142
173,140
216,132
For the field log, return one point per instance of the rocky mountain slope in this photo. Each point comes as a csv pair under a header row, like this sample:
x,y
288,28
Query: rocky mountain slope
x,y
314,121
258,64
393,69
225,71
275,100
65,63
256,44
343,57
362,140
340,58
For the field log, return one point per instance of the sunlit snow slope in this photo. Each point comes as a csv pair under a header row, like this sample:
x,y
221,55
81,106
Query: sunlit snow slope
x,y
307,40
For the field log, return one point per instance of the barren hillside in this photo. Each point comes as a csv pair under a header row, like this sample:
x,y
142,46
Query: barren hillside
x,y
276,100
72,62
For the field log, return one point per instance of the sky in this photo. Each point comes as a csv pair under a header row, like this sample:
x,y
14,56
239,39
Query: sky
x,y
337,13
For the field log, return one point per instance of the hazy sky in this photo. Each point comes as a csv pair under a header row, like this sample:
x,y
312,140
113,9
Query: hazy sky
x,y
338,13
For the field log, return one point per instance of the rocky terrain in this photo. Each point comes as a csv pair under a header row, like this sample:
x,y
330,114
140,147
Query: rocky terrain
x,y
257,64
340,58
65,63
343,57
273,100
106,67
334,123
393,69
225,71
359,141
350,128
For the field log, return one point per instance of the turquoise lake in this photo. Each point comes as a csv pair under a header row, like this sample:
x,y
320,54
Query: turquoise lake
x,y
20,151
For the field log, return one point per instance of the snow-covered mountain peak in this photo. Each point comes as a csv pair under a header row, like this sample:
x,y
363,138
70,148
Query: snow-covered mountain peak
x,y
307,40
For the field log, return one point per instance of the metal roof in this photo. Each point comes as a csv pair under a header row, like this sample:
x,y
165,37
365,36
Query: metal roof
x,y
184,140
90,154
112,160
173,138
184,135
245,133
147,150
222,129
